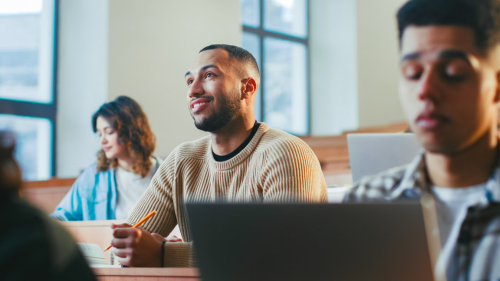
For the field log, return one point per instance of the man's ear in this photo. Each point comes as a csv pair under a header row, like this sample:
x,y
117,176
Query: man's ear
x,y
248,88
497,91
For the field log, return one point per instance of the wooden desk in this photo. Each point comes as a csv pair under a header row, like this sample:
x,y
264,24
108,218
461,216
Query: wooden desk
x,y
95,232
149,274
98,232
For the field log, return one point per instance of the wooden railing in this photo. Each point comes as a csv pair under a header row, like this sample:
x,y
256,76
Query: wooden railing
x,y
333,154
46,194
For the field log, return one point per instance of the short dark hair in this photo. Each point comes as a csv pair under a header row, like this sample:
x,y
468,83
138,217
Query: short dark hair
x,y
482,16
237,53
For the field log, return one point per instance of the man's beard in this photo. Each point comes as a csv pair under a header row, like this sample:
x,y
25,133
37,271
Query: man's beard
x,y
229,107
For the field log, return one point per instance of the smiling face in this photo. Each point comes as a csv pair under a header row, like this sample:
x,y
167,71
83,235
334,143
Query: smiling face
x,y
448,87
110,142
213,95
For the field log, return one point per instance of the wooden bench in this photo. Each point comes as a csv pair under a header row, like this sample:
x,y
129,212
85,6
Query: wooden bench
x,y
332,154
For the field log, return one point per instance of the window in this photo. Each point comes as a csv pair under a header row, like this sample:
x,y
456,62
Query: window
x,y
276,33
27,100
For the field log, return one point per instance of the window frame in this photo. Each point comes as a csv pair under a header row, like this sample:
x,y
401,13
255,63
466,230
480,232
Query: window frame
x,y
40,110
262,33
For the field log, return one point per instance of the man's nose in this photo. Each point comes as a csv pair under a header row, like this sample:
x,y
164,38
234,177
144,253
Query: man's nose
x,y
196,89
430,86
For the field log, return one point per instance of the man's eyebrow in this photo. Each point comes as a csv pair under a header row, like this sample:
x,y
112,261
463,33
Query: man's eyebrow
x,y
203,68
412,56
453,54
209,66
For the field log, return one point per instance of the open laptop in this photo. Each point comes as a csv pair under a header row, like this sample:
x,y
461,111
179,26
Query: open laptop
x,y
370,154
310,242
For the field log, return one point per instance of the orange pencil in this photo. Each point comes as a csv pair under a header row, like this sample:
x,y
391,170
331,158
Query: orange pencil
x,y
138,224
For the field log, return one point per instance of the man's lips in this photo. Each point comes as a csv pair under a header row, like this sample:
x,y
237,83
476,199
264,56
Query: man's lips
x,y
430,120
199,104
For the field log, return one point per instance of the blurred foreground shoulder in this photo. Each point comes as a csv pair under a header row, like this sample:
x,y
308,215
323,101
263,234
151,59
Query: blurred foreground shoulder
x,y
35,247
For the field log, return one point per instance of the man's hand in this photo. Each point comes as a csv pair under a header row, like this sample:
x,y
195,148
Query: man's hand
x,y
135,247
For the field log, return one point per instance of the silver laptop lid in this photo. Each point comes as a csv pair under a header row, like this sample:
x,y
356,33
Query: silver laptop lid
x,y
370,154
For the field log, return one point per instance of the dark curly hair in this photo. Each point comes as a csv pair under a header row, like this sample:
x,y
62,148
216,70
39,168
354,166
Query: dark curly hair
x,y
482,16
126,116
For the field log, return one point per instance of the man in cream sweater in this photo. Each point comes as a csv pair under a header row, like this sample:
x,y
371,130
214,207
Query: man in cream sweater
x,y
240,161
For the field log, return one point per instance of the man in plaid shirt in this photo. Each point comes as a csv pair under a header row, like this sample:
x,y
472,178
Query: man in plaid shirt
x,y
449,89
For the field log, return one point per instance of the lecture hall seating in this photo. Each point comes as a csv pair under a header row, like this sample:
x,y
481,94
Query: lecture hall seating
x,y
46,194
332,153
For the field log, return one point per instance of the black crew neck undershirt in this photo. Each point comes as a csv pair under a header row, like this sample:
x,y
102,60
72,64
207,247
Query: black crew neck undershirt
x,y
223,158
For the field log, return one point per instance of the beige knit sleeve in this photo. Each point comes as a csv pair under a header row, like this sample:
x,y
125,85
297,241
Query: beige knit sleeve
x,y
179,255
159,197
292,173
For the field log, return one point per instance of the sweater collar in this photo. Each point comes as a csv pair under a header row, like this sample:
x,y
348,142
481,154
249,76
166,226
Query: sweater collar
x,y
237,159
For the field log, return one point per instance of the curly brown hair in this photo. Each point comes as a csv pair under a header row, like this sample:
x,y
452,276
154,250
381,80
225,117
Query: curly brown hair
x,y
126,116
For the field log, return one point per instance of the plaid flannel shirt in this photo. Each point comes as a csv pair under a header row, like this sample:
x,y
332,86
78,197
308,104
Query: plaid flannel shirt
x,y
476,254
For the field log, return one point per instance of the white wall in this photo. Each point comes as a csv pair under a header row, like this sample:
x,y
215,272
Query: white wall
x,y
81,81
354,65
378,62
333,66
141,49
151,45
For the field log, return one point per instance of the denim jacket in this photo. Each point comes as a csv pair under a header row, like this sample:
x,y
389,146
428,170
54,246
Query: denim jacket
x,y
92,196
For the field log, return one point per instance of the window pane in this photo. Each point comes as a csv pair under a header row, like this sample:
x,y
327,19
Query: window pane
x,y
286,16
285,83
250,10
34,144
26,50
251,43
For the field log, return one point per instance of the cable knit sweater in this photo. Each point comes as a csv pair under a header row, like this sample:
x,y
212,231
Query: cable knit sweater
x,y
273,167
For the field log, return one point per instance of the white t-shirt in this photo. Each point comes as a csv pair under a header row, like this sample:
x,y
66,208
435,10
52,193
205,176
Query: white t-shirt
x,y
451,208
129,188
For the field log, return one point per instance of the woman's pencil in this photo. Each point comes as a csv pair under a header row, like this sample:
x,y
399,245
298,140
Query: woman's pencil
x,y
138,224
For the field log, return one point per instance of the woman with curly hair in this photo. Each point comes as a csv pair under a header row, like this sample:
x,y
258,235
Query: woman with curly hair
x,y
110,188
